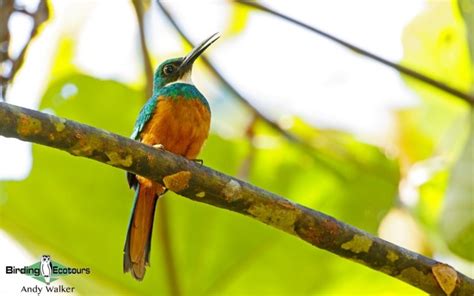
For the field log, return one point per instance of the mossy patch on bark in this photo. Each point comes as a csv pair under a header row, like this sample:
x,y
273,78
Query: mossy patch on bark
x,y
358,244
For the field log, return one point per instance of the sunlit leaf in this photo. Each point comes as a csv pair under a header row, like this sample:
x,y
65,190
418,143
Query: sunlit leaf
x,y
457,220
238,20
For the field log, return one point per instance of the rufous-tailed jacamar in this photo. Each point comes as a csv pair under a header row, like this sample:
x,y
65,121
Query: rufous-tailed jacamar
x,y
176,118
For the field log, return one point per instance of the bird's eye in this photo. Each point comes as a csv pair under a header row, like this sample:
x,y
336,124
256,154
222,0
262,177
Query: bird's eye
x,y
168,69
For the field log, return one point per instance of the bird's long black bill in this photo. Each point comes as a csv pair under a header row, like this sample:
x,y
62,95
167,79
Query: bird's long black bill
x,y
197,51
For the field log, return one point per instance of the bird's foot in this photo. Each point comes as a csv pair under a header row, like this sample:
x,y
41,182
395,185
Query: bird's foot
x,y
200,162
159,146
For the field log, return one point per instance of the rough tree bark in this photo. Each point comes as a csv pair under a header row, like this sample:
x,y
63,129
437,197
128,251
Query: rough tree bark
x,y
203,184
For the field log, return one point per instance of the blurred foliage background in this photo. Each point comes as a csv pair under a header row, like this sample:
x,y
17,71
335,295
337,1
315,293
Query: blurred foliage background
x,y
410,182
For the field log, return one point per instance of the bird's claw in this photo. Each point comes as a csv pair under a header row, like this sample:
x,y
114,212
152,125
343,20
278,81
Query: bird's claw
x,y
200,162
159,146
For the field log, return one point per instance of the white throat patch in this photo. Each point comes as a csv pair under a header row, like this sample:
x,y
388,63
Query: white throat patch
x,y
185,79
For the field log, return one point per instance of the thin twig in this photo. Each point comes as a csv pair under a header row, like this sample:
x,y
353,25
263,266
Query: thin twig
x,y
138,5
6,10
308,148
202,184
39,17
165,242
163,218
24,11
469,98
224,81
246,166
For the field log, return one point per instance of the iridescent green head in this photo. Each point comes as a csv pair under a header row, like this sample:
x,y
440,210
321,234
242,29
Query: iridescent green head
x,y
179,69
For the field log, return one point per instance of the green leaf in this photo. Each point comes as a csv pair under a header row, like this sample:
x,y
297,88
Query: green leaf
x,y
457,220
437,129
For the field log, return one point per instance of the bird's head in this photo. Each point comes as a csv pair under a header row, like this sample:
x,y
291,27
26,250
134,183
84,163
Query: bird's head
x,y
180,69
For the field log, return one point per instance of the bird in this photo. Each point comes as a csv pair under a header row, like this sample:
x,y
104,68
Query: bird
x,y
46,268
177,119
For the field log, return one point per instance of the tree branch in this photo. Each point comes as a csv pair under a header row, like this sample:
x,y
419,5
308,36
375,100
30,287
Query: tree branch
x,y
469,98
205,185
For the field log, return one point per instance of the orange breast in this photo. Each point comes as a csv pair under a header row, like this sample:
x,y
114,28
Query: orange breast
x,y
180,125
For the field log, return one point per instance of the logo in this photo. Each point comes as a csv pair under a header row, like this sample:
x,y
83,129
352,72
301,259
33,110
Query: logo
x,y
47,271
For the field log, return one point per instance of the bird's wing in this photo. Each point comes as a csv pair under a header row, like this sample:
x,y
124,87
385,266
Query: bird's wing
x,y
51,266
143,117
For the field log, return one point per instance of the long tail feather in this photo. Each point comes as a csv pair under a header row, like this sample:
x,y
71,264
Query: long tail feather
x,y
137,245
